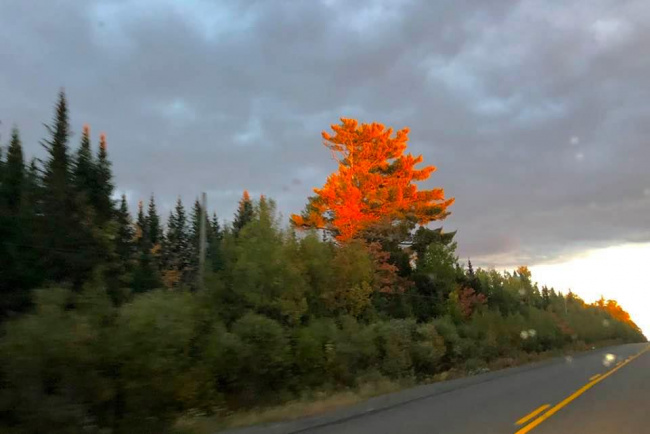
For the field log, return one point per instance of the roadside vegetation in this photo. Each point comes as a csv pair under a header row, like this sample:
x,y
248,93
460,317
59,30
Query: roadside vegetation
x,y
107,329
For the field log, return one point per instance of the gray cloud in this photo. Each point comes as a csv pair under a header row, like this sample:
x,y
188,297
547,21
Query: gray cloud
x,y
534,111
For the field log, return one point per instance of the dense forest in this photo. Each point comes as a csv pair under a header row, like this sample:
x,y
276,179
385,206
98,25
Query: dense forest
x,y
107,325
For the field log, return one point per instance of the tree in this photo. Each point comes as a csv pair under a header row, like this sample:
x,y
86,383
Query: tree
x,y
84,170
146,275
61,221
215,235
265,276
102,199
124,242
17,271
177,250
154,228
14,174
373,184
244,213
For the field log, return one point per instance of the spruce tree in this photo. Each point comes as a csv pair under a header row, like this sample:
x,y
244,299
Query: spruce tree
x,y
103,201
245,213
14,174
60,223
195,234
124,246
19,267
214,244
215,227
145,276
57,174
177,250
195,228
84,171
142,229
154,228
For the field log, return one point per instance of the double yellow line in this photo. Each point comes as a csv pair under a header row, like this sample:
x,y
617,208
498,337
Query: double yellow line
x,y
592,381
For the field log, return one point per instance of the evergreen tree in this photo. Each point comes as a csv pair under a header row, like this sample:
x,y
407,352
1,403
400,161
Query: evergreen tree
x,y
124,243
214,244
154,228
141,234
20,267
215,227
32,190
145,276
14,174
2,167
103,193
57,174
11,228
195,228
177,249
84,171
60,233
245,213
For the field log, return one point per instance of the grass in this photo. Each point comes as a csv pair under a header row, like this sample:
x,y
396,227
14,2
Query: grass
x,y
316,403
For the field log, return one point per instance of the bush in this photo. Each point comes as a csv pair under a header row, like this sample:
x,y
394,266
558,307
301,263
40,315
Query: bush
x,y
394,340
428,350
263,357
55,363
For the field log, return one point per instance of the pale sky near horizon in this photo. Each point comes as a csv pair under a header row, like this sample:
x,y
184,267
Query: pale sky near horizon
x,y
534,111
617,272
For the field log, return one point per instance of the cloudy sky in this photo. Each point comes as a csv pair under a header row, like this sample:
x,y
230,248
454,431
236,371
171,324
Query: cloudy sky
x,y
535,112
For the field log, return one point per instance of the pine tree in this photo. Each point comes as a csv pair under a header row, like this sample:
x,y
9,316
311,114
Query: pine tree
x,y
145,276
57,174
32,190
124,243
195,228
102,200
19,270
60,223
154,229
84,171
244,213
374,184
14,174
214,244
177,249
215,227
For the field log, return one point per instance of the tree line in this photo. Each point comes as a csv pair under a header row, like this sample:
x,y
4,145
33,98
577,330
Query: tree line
x,y
104,327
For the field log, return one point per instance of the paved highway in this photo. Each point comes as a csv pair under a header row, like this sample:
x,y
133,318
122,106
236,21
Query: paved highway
x,y
604,391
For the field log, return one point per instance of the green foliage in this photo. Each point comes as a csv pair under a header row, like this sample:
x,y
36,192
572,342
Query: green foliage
x,y
282,315
244,215
103,191
84,169
178,252
265,275
13,175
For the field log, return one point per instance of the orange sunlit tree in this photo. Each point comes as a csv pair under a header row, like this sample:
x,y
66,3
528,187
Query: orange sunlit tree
x,y
615,311
374,184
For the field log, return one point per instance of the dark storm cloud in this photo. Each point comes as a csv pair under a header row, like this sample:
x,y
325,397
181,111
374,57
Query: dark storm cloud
x,y
534,111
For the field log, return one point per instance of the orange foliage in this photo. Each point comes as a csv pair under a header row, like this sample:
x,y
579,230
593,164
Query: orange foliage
x,y
387,279
616,311
469,301
102,141
374,183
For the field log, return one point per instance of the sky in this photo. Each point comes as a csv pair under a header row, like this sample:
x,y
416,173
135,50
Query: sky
x,y
534,111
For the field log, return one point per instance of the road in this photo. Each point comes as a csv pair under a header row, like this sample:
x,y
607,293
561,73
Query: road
x,y
605,391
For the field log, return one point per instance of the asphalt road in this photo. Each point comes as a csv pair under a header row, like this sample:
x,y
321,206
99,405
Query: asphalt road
x,y
604,391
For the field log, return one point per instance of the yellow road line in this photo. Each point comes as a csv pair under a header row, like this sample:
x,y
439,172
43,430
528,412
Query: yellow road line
x,y
594,377
575,394
532,414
